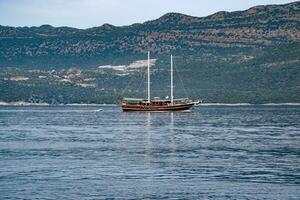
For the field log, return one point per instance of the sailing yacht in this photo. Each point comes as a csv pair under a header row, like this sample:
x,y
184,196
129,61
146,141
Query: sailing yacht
x,y
156,104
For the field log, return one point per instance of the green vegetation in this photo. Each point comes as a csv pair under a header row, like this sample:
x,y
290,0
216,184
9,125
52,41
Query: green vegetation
x,y
248,56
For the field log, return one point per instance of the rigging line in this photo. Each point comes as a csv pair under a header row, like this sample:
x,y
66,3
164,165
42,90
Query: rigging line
x,y
128,83
126,86
142,80
184,90
131,80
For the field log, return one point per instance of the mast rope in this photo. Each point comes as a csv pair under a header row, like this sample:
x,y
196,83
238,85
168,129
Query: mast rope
x,y
181,82
142,81
132,79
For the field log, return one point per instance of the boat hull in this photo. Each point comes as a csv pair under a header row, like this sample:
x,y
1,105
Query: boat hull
x,y
175,107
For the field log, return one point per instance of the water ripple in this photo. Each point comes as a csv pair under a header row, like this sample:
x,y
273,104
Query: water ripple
x,y
212,152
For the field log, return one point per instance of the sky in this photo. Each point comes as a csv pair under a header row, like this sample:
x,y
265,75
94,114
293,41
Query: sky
x,y
91,13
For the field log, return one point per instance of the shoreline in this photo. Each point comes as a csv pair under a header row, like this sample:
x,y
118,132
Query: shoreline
x,y
24,104
27,104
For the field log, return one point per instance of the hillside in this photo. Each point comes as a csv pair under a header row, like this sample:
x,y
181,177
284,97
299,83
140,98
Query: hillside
x,y
243,56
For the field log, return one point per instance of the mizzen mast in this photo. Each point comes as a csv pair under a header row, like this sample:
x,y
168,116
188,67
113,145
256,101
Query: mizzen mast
x,y
172,87
149,97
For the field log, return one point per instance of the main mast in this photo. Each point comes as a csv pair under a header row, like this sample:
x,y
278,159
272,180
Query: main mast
x,y
149,98
172,96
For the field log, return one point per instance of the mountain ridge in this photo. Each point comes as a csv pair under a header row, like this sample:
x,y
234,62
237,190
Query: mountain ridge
x,y
251,9
228,57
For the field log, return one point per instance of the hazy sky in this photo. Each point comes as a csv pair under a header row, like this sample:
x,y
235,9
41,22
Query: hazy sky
x,y
89,13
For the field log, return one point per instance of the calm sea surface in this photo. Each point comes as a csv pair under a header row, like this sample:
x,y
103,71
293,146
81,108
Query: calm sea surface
x,y
212,152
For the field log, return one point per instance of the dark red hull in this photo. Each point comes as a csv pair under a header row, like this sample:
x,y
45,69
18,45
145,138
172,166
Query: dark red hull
x,y
145,107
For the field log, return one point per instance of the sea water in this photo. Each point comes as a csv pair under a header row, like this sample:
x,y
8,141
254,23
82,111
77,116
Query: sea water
x,y
100,152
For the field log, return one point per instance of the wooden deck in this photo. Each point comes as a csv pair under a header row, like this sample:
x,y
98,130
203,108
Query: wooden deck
x,y
154,107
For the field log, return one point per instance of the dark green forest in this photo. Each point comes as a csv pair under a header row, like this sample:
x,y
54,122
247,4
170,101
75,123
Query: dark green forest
x,y
250,56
